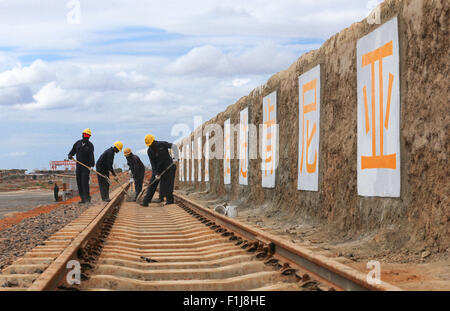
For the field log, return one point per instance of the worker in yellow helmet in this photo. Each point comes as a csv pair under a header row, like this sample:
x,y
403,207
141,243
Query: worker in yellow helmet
x,y
160,159
84,151
105,166
137,169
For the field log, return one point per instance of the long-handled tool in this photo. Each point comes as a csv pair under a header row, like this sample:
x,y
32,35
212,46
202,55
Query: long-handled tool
x,y
92,170
142,191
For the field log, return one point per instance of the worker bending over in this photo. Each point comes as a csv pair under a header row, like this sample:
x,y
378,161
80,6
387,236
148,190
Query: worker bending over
x,y
160,159
104,166
84,151
137,169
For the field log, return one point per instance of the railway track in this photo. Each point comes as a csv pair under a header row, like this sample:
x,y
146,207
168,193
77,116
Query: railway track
x,y
184,246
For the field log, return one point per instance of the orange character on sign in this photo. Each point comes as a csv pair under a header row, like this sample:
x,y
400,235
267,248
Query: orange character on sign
x,y
312,85
244,146
268,124
382,160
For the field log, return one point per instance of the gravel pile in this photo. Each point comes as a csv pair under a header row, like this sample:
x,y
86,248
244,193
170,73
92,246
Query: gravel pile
x,y
24,236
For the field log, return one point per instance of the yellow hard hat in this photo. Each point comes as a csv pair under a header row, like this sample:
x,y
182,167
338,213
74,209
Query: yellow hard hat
x,y
87,131
127,152
149,139
118,145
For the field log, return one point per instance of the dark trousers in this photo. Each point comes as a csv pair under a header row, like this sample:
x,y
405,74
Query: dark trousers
x,y
151,190
103,185
138,181
167,183
83,174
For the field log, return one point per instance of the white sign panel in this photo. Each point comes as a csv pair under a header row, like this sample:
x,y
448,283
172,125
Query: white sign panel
x,y
187,160
193,162
199,158
227,153
269,140
309,130
180,170
378,149
243,147
207,157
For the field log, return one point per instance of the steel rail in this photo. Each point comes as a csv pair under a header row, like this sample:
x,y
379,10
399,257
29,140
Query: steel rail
x,y
55,272
343,277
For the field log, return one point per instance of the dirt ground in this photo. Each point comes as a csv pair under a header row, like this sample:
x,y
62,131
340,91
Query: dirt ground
x,y
23,200
30,223
15,206
19,235
28,185
409,269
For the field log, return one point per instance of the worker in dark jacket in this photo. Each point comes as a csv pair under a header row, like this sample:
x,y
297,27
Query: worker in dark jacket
x,y
84,151
55,192
160,159
105,166
137,169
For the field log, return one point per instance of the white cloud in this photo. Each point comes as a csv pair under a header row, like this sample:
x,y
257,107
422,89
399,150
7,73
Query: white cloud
x,y
240,82
218,18
50,96
200,60
153,96
45,85
137,66
7,61
209,60
37,72
15,95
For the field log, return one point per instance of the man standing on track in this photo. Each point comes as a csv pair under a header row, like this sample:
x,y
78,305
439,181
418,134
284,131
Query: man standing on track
x,y
160,159
104,166
56,191
84,151
137,169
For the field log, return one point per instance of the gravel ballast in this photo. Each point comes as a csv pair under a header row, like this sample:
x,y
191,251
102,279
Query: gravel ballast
x,y
30,232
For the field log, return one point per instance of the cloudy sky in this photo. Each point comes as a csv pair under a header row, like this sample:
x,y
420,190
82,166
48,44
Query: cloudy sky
x,y
129,68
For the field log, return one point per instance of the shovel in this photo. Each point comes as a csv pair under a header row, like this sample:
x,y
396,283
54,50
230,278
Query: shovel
x,y
140,194
92,170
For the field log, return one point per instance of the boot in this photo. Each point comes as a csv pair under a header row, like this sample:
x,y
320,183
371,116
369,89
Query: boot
x,y
169,199
159,200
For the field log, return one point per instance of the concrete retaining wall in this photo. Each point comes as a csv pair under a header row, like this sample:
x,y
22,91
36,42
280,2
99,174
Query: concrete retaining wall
x,y
421,214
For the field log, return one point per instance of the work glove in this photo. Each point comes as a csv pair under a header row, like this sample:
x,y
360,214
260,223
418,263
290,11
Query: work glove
x,y
157,177
131,180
